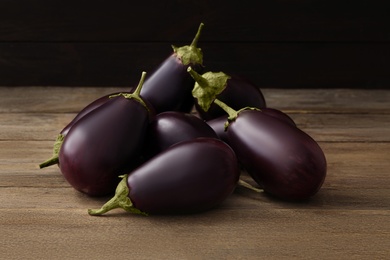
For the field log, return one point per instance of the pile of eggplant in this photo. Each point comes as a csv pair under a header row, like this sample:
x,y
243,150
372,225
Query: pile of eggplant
x,y
178,141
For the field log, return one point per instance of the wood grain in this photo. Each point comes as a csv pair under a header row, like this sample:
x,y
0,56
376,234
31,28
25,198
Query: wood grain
x,y
42,217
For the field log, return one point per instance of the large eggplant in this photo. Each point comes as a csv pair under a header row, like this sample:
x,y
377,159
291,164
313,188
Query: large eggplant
x,y
233,90
218,124
105,143
284,160
60,137
169,87
189,177
171,127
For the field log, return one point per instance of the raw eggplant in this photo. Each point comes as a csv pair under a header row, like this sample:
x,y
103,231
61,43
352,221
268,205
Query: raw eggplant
x,y
189,177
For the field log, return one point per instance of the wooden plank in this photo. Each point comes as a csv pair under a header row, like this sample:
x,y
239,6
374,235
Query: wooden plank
x,y
343,101
273,234
42,217
359,165
73,99
267,64
33,99
350,216
142,21
322,127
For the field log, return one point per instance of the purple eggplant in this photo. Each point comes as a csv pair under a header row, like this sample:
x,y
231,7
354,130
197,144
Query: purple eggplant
x,y
60,137
105,143
189,177
218,124
284,160
171,127
233,90
169,87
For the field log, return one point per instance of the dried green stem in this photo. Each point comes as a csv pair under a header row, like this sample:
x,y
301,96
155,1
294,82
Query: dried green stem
x,y
202,82
190,54
120,200
137,92
194,42
56,150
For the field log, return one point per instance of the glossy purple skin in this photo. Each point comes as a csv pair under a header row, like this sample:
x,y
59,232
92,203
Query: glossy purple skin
x,y
94,104
218,124
284,160
189,177
172,127
169,87
103,144
238,93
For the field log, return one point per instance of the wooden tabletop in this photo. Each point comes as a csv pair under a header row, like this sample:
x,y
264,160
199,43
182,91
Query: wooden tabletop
x,y
42,217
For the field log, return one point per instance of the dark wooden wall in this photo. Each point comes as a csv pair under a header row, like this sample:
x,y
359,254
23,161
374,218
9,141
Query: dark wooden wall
x,y
275,43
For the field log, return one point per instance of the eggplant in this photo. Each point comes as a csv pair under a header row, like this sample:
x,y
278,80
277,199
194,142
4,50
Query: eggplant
x,y
171,127
284,160
218,124
60,137
168,88
236,91
189,177
105,143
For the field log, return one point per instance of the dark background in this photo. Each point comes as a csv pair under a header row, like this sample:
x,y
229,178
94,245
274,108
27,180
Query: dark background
x,y
275,43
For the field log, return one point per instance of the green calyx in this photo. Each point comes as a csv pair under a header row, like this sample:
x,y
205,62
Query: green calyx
x,y
208,86
232,114
56,151
190,54
120,200
136,95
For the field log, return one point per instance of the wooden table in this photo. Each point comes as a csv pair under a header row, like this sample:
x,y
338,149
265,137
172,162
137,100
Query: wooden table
x,y
42,217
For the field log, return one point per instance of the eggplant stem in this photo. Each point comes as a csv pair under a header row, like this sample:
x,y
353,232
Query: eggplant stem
x,y
120,200
194,42
232,114
49,162
56,150
190,54
248,186
137,91
202,82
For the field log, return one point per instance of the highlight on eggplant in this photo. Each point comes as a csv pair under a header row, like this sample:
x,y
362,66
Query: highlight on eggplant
x,y
236,91
105,143
284,160
189,177
169,86
171,127
60,137
218,124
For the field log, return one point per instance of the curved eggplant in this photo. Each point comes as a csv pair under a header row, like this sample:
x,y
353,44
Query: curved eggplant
x,y
171,127
284,160
169,87
60,137
105,143
235,91
189,177
218,124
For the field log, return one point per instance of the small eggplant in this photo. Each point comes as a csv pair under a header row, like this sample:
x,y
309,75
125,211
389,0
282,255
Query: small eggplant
x,y
189,177
169,87
60,137
218,124
105,143
171,127
284,160
235,91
